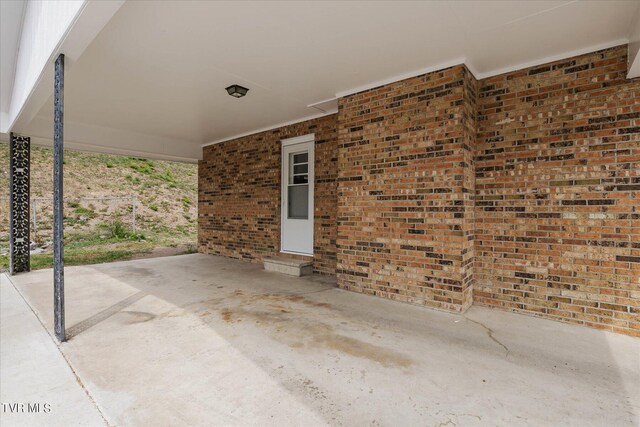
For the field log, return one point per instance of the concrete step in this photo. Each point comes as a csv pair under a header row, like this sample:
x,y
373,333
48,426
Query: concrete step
x,y
290,266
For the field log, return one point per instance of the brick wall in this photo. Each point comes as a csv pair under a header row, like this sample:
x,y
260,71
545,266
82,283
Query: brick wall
x,y
403,190
558,184
519,191
239,194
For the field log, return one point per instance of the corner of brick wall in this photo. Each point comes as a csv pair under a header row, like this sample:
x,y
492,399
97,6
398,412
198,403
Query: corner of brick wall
x,y
405,190
469,123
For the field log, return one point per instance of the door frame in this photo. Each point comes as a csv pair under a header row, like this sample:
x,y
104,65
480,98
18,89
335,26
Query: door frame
x,y
308,138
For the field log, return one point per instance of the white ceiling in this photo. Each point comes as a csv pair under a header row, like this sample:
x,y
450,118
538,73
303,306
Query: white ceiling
x,y
160,68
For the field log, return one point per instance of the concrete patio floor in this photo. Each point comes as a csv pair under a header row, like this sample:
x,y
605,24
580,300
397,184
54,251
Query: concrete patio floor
x,y
202,340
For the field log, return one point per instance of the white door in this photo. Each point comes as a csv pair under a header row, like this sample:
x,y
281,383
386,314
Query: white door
x,y
297,195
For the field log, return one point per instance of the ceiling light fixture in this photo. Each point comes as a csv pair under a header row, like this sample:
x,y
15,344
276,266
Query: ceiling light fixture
x,y
237,91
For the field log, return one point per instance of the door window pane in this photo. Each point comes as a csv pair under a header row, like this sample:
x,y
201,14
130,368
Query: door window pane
x,y
298,202
301,158
299,169
300,179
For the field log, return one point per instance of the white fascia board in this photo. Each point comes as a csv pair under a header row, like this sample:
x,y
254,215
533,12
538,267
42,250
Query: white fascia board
x,y
87,23
115,141
634,60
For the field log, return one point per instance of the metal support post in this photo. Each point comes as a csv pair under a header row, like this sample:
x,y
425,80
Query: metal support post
x,y
58,201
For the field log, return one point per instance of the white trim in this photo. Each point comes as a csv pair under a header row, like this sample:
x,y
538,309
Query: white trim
x,y
399,77
324,101
264,129
310,137
472,68
326,105
551,58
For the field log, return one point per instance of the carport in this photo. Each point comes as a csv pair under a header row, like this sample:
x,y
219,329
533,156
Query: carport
x,y
369,155
477,159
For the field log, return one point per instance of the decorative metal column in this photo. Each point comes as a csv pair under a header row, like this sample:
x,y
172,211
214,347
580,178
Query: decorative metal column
x,y
58,195
19,166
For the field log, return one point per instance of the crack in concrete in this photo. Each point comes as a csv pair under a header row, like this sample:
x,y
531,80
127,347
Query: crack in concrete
x,y
490,334
446,423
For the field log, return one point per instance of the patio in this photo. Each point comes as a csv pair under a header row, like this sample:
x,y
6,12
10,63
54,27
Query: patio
x,y
204,340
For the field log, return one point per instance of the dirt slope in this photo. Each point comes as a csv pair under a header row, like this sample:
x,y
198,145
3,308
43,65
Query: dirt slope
x,y
166,192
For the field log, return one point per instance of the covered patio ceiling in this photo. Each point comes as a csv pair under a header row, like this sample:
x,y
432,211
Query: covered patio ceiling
x,y
152,81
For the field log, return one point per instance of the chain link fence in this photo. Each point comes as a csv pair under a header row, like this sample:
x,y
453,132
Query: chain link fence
x,y
81,215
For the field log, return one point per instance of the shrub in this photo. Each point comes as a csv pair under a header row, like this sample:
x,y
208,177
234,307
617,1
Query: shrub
x,y
167,176
119,230
132,179
145,167
85,212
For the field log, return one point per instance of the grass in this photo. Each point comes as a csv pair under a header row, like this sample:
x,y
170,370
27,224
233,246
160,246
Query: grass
x,y
144,166
166,199
83,249
167,176
85,212
80,257
74,257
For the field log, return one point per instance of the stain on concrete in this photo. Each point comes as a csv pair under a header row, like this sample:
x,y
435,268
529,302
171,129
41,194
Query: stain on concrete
x,y
358,348
227,316
292,320
174,312
138,316
311,389
299,298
